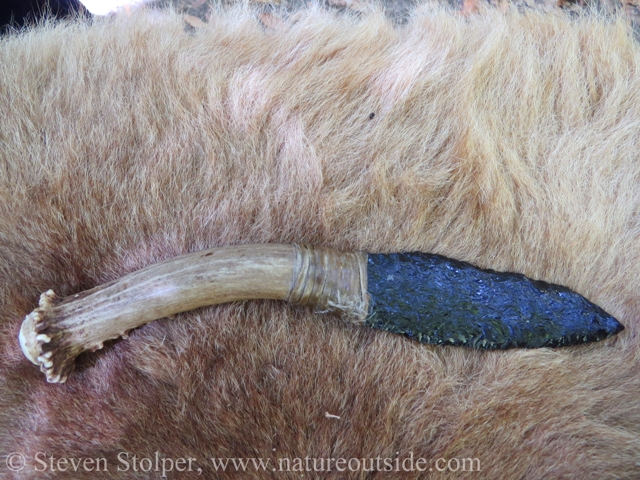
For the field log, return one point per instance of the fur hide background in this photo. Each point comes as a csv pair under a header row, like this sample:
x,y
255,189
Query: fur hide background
x,y
509,141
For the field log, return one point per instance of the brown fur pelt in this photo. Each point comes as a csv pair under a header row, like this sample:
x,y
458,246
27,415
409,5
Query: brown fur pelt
x,y
509,141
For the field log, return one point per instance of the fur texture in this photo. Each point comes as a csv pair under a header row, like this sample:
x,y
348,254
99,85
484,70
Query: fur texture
x,y
508,141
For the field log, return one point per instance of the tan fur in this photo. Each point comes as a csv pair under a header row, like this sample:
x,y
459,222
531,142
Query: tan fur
x,y
504,140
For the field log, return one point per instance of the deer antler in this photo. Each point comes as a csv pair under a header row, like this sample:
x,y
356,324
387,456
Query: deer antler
x,y
56,332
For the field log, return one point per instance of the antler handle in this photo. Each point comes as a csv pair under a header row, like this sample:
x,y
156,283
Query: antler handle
x,y
56,332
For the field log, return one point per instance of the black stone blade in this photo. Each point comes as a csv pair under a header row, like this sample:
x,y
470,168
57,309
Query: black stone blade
x,y
434,299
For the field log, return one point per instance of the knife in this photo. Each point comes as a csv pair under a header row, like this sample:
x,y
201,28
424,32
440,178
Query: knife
x,y
426,297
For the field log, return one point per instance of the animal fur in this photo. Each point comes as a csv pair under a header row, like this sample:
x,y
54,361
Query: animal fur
x,y
508,141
